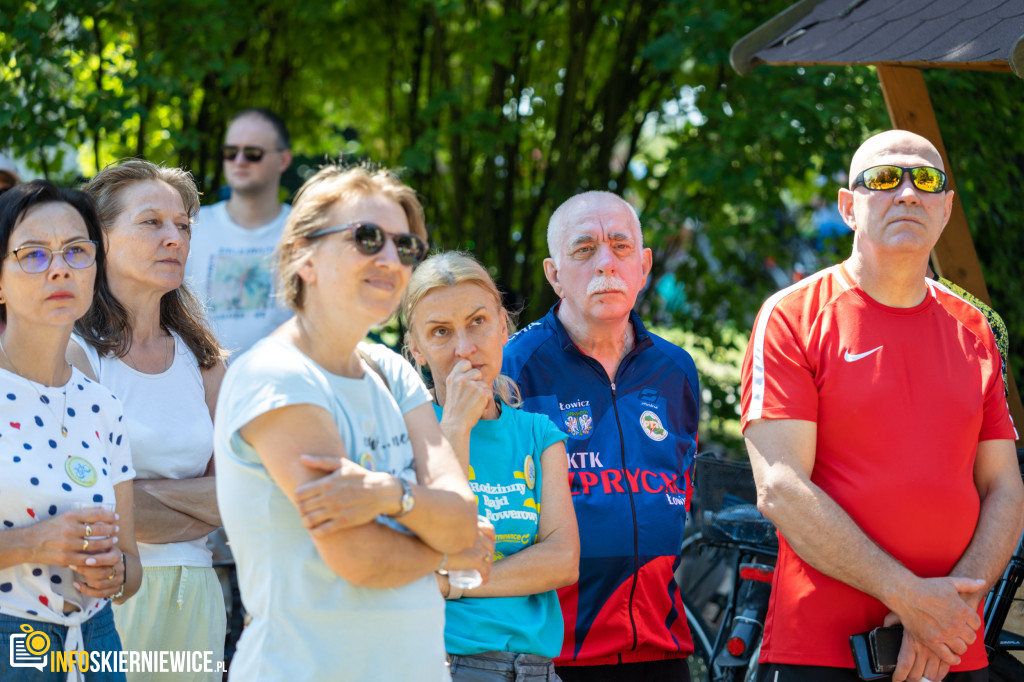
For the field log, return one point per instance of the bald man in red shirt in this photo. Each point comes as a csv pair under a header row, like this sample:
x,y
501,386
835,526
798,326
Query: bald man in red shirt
x,y
874,415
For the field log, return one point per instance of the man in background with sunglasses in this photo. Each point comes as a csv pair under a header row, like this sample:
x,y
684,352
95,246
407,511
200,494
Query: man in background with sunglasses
x,y
875,419
230,265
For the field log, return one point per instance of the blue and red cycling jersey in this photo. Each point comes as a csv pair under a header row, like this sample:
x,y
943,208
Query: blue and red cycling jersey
x,y
631,449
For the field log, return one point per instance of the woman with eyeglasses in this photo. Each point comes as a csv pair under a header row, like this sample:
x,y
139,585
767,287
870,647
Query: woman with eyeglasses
x,y
517,467
67,543
336,568
146,340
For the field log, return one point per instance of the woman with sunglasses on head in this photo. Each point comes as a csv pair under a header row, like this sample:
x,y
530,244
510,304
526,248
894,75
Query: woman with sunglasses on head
x,y
346,584
517,467
146,340
67,544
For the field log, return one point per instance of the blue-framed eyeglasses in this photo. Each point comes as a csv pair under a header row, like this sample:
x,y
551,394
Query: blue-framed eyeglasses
x,y
36,259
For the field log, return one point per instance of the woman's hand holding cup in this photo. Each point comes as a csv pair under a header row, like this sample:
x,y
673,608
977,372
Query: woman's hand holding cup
x,y
98,568
479,558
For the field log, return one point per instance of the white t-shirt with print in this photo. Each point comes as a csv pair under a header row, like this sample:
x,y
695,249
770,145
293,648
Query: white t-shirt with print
x,y
232,269
42,474
305,615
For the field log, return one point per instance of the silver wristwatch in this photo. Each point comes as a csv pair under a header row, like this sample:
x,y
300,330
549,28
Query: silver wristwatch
x,y
407,502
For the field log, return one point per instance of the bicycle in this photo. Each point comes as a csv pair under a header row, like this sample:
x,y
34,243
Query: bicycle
x,y
728,563
719,570
999,642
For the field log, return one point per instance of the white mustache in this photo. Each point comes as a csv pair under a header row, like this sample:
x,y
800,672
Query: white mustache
x,y
606,283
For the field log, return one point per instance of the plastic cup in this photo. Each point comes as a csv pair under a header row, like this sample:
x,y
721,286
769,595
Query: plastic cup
x,y
109,506
465,578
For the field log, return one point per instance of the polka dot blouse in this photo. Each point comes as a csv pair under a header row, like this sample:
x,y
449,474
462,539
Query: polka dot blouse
x,y
58,445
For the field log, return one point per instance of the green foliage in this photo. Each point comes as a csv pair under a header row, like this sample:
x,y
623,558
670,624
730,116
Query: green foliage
x,y
498,111
986,153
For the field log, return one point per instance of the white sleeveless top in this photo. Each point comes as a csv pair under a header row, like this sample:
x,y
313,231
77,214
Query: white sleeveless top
x,y
170,432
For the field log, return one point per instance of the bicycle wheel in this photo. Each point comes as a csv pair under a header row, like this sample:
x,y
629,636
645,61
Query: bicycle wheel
x,y
1003,667
699,661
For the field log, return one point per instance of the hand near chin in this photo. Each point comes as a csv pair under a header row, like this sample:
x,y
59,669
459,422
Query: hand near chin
x,y
466,395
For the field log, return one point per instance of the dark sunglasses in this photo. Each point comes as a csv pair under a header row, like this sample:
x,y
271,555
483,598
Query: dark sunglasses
x,y
36,259
887,178
369,239
251,153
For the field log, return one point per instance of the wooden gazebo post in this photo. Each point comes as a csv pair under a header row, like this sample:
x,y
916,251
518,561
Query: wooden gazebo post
x,y
954,257
981,35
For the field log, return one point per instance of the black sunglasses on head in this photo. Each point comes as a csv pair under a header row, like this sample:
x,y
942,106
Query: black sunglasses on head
x,y
251,153
369,239
887,178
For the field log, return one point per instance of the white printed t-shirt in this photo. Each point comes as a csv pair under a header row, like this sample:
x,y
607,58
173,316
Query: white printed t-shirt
x,y
231,268
304,615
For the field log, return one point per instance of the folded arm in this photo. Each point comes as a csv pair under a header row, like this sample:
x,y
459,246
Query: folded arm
x,y
363,552
175,510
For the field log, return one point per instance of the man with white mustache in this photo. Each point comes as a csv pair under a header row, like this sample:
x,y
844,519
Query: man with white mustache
x,y
629,402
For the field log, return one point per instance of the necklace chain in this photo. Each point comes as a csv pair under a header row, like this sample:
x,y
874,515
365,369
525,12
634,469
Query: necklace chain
x,y
42,398
167,353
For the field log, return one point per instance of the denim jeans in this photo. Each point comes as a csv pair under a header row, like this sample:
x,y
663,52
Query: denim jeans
x,y
493,666
98,633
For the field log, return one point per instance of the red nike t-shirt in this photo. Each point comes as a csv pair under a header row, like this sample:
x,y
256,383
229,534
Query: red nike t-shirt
x,y
901,398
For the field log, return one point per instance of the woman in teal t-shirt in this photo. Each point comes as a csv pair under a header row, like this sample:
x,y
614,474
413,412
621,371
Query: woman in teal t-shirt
x,y
516,465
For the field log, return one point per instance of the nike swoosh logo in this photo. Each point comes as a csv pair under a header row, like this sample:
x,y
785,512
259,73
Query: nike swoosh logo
x,y
849,357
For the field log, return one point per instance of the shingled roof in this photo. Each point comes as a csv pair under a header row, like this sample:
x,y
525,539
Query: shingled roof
x,y
961,34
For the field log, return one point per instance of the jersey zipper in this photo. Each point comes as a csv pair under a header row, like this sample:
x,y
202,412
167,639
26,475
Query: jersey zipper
x,y
599,369
632,507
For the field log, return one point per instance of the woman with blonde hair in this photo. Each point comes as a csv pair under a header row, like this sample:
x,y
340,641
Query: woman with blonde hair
x,y
146,340
512,626
336,570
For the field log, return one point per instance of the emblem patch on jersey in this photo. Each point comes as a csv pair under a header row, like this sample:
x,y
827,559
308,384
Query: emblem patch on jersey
x,y
652,426
578,420
81,471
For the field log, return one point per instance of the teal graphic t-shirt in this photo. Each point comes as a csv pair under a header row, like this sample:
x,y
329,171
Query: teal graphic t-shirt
x,y
505,477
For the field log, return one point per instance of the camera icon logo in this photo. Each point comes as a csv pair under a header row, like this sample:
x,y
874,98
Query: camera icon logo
x,y
29,649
